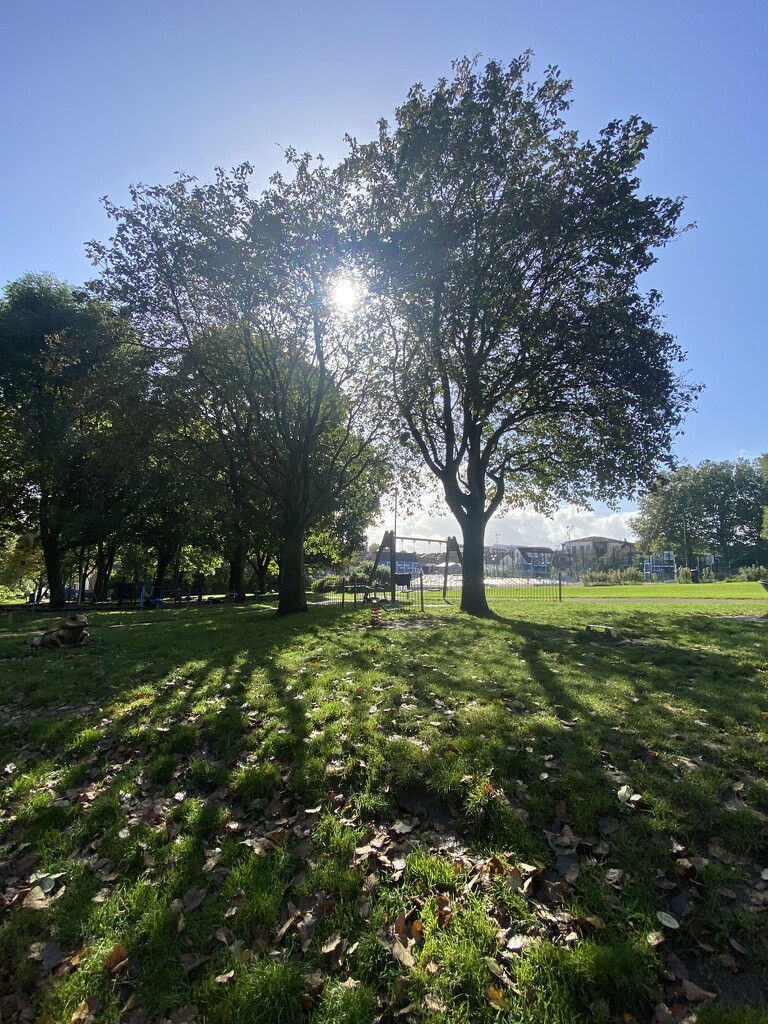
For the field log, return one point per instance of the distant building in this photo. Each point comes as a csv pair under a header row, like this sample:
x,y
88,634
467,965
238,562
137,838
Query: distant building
x,y
533,561
583,553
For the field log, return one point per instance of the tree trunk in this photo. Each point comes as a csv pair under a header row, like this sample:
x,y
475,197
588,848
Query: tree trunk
x,y
164,559
237,571
105,558
260,564
292,595
473,599
52,556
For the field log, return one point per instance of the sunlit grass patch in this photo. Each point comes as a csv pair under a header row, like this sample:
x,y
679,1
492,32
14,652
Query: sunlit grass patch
x,y
513,801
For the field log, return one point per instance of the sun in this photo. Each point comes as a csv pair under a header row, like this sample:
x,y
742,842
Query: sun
x,y
345,294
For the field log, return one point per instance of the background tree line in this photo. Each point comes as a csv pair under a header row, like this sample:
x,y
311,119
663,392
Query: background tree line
x,y
714,509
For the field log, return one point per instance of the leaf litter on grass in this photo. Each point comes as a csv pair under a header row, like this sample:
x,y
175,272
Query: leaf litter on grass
x,y
553,897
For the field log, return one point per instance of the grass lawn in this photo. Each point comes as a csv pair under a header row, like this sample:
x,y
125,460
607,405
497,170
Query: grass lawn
x,y
673,592
213,815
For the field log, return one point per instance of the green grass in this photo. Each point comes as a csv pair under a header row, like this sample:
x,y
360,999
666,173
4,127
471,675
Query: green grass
x,y
306,819
673,591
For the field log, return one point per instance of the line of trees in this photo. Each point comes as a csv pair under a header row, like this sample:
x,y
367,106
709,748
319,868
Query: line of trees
x,y
715,508
502,341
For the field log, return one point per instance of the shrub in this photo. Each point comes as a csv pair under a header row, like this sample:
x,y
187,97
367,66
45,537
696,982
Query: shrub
x,y
751,574
595,579
684,575
327,584
632,576
613,578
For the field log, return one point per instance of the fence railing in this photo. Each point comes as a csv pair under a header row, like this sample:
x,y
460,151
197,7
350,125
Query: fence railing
x,y
428,588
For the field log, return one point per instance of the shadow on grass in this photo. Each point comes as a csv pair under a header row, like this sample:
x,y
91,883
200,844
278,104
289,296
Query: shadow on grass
x,y
176,733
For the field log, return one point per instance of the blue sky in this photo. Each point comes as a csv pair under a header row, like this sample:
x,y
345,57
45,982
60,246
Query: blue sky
x,y
97,94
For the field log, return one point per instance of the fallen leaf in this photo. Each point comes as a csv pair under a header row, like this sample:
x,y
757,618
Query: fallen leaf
x,y
402,954
117,956
496,998
36,899
434,1003
85,1013
667,920
184,1015
48,954
694,994
193,897
222,979
625,794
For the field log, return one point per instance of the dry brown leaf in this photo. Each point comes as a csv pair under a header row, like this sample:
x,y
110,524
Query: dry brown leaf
x,y
496,998
184,1015
434,1003
402,953
694,994
117,957
222,979
85,1012
193,897
35,899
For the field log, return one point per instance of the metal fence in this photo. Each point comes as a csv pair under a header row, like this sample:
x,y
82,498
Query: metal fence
x,y
419,590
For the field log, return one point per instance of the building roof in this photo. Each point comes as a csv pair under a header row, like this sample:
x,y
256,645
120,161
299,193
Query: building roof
x,y
603,540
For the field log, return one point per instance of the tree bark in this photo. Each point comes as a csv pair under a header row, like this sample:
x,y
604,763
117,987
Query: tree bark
x,y
49,542
473,599
105,558
164,559
237,571
293,597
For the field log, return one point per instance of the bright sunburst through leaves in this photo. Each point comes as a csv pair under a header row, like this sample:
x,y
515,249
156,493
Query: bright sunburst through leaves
x,y
346,294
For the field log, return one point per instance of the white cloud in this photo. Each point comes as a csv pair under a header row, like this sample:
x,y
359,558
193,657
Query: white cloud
x,y
518,526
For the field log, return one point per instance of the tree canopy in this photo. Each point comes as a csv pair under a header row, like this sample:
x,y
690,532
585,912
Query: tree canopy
x,y
233,295
714,508
68,385
504,337
504,258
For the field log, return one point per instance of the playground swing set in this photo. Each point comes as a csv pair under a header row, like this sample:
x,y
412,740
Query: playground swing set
x,y
401,582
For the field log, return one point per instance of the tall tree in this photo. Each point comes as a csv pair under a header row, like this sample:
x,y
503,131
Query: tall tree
x,y
63,396
235,294
713,508
503,258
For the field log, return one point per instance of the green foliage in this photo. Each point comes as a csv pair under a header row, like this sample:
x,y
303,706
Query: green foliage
x,y
751,573
551,383
713,508
612,578
327,584
279,379
684,575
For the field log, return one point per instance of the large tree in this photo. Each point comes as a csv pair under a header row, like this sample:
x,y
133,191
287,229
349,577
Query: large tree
x,y
235,294
713,508
68,382
503,258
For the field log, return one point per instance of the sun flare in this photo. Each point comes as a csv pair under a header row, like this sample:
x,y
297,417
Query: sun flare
x,y
346,294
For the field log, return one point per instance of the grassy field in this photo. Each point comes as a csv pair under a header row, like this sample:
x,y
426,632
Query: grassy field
x,y
673,592
213,815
